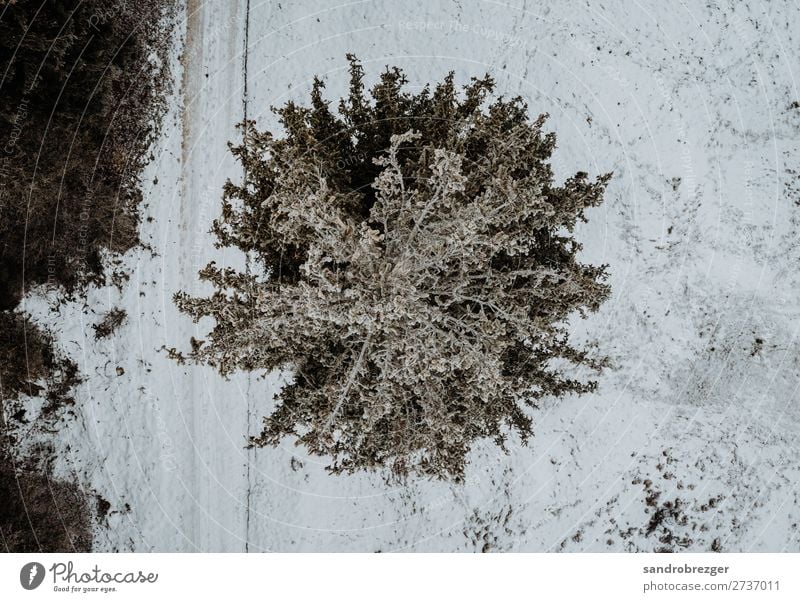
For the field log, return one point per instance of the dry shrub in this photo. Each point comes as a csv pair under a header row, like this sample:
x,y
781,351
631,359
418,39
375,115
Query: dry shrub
x,y
110,323
81,83
39,513
418,272
31,365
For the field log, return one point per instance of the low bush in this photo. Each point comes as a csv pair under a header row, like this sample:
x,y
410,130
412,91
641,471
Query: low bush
x,y
417,270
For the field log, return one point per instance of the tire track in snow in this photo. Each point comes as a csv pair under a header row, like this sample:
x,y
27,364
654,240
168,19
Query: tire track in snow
x,y
250,451
216,476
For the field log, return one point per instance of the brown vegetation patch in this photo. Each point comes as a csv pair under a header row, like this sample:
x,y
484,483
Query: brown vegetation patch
x,y
82,83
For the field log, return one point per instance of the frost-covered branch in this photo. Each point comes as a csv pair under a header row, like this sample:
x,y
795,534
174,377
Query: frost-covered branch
x,y
416,276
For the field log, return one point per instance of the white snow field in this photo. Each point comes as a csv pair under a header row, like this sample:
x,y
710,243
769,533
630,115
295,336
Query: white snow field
x,y
689,103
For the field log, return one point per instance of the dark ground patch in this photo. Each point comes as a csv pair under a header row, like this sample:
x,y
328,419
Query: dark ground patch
x,y
39,513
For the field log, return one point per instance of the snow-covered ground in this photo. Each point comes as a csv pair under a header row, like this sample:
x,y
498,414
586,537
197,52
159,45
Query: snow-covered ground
x,y
689,104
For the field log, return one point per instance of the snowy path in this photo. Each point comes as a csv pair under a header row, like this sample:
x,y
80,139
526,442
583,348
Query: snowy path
x,y
691,109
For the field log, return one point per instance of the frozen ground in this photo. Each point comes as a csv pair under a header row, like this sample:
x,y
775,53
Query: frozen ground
x,y
689,104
